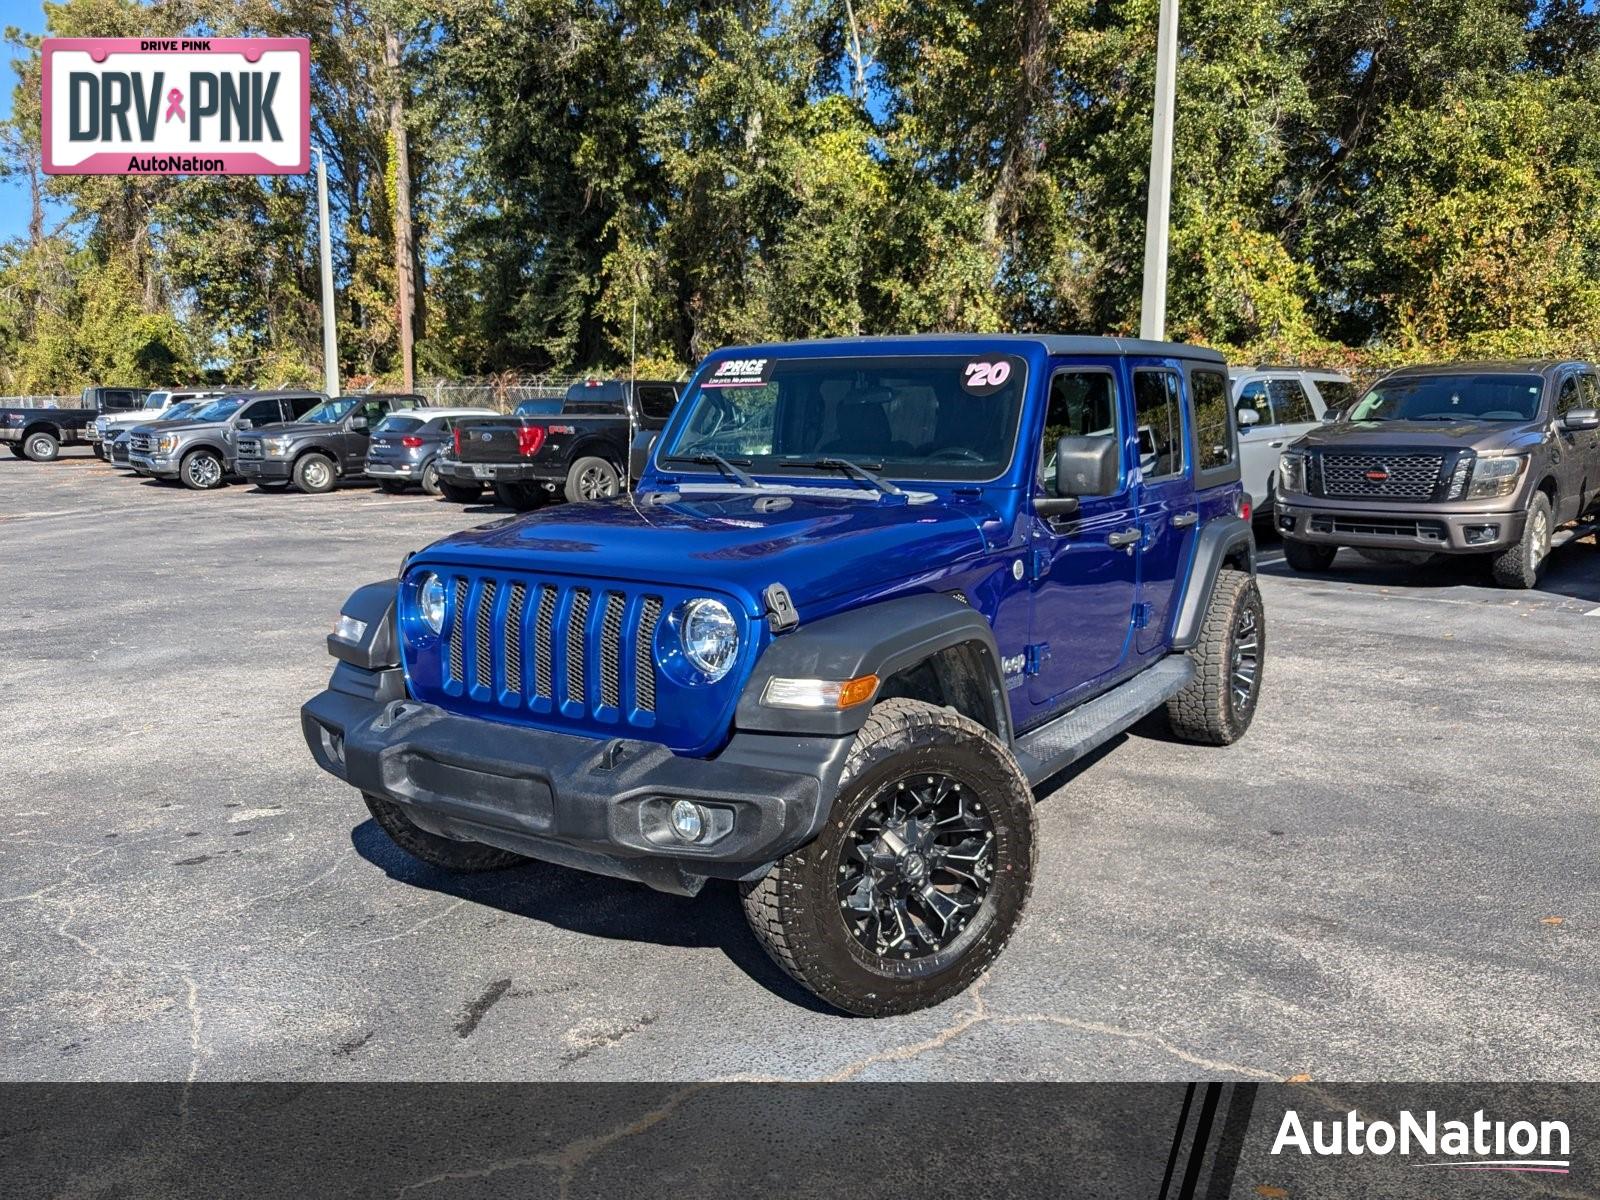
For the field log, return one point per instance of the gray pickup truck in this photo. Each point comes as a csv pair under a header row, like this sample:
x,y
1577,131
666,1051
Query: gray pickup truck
x,y
1488,459
201,451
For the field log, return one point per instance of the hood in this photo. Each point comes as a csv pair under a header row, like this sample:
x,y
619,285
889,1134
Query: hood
x,y
819,547
1440,435
169,427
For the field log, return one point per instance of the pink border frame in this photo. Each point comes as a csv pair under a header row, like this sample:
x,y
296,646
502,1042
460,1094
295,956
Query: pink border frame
x,y
235,163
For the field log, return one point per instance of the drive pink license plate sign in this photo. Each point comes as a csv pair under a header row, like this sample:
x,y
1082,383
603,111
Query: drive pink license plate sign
x,y
177,106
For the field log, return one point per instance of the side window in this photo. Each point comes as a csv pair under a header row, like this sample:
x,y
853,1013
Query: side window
x,y
1567,400
1158,413
1588,391
1254,395
375,410
1213,438
1082,404
262,412
657,403
299,406
1290,404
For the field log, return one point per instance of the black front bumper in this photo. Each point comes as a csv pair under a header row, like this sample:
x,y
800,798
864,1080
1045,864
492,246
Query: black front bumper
x,y
264,468
1396,526
597,805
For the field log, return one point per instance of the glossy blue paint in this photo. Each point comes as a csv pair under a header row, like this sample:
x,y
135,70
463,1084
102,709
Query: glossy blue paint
x,y
1057,595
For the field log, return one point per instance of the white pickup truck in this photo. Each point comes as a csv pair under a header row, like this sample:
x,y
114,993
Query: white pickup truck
x,y
106,426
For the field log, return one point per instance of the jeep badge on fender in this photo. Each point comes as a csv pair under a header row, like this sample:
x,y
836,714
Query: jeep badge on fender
x,y
801,654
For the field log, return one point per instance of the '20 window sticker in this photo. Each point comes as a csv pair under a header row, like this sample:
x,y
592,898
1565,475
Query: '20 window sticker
x,y
984,377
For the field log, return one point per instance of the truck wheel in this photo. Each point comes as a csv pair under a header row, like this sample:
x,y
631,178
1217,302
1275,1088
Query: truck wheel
x,y
201,470
314,474
430,480
41,447
445,853
1519,566
393,486
1217,706
1308,556
593,479
460,493
920,876
520,496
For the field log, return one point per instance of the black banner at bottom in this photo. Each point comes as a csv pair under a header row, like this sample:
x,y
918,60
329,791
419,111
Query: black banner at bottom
x,y
571,1141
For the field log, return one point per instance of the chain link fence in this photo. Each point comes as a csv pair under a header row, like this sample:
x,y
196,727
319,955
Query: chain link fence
x,y
500,393
40,401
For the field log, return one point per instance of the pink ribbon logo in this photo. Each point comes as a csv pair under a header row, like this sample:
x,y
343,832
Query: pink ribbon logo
x,y
175,106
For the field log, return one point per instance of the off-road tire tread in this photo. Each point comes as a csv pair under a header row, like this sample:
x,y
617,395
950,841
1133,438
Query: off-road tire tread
x,y
766,900
1510,566
1202,712
447,855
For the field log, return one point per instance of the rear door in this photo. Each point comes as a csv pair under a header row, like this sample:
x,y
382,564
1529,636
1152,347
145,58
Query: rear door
x,y
1085,567
1165,504
1575,453
1259,444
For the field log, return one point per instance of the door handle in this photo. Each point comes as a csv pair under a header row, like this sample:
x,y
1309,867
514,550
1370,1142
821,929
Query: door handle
x,y
1278,445
1124,537
1185,519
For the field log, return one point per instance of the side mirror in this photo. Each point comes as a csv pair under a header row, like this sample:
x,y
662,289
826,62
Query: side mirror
x,y
1329,416
1248,417
1579,419
243,424
1085,466
358,422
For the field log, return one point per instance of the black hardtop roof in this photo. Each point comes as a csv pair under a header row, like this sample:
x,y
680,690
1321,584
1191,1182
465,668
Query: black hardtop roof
x,y
1054,343
1493,366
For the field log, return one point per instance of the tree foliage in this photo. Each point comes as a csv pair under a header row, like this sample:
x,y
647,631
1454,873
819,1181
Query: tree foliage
x,y
600,179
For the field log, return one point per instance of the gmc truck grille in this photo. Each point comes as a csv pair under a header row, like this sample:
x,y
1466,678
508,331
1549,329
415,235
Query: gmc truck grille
x,y
1379,476
580,651
249,447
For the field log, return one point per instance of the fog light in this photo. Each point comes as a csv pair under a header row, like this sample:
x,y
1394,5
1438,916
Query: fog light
x,y
1478,535
688,820
1286,522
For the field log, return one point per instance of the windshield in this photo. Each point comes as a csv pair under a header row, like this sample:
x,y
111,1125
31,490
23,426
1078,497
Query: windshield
x,y
183,409
221,410
940,417
331,412
538,408
399,424
1488,397
156,399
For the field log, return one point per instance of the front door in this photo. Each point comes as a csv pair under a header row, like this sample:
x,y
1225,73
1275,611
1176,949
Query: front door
x,y
1259,444
1167,516
356,439
1085,567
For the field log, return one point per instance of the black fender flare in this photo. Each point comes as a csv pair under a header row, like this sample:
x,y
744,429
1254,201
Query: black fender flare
x,y
1222,540
379,644
879,639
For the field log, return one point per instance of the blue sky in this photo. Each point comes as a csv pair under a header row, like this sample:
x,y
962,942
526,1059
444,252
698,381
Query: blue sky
x,y
28,16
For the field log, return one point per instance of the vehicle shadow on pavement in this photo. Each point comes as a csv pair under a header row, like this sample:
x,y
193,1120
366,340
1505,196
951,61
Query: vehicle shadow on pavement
x,y
597,906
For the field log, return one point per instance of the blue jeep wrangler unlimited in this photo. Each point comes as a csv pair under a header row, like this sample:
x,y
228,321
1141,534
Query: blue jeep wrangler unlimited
x,y
867,593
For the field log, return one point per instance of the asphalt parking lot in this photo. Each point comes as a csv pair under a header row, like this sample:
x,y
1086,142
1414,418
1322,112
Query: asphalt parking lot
x,y
1392,877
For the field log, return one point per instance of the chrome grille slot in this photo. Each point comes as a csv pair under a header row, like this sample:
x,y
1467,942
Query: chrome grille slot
x,y
543,636
454,648
611,651
514,610
483,636
644,659
577,619
1380,476
249,447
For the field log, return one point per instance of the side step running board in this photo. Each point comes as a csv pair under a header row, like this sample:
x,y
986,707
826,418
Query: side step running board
x,y
1057,745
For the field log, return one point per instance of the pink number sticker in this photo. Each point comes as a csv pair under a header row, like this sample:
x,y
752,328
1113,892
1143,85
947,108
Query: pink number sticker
x,y
982,378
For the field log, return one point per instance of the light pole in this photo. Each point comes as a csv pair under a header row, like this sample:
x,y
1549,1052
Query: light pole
x,y
330,334
1153,307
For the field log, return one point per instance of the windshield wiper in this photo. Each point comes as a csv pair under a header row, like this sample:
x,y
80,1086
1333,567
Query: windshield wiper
x,y
853,469
707,459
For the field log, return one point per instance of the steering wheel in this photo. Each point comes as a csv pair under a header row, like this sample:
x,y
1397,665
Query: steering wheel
x,y
956,452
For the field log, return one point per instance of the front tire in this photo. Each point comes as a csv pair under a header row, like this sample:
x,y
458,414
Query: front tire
x,y
459,493
593,479
1308,556
314,474
1219,703
918,880
445,853
1519,566
201,471
41,447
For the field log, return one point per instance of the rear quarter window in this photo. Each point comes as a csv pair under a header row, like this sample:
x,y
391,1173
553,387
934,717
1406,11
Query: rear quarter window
x,y
1213,429
398,425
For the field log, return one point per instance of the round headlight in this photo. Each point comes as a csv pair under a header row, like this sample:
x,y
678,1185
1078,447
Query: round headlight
x,y
710,638
430,596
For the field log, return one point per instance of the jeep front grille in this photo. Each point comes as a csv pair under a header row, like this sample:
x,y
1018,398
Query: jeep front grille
x,y
518,643
1378,475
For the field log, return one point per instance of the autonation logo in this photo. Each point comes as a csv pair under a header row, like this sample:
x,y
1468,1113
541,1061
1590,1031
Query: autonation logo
x,y
1476,1145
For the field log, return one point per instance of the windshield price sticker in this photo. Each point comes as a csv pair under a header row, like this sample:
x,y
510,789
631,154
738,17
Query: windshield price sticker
x,y
740,372
171,106
985,377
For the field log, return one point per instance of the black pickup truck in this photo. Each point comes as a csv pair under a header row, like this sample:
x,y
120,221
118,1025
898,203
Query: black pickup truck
x,y
584,450
38,434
